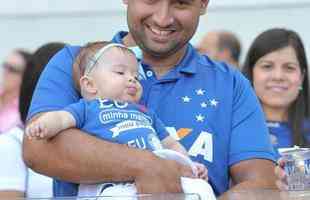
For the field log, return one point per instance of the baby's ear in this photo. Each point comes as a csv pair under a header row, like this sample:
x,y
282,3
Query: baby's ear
x,y
88,85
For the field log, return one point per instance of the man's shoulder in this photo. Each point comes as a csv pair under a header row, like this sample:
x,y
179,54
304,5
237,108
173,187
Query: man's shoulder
x,y
221,67
218,70
65,57
71,50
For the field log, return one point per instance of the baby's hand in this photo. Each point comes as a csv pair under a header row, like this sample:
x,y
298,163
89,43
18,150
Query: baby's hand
x,y
46,126
36,130
201,171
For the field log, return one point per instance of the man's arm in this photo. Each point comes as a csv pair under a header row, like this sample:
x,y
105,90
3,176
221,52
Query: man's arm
x,y
252,174
9,194
77,157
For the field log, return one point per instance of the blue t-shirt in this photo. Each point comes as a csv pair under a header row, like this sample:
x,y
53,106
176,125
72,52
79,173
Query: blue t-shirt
x,y
281,134
123,123
208,106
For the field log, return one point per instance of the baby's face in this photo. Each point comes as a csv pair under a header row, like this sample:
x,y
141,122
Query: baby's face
x,y
116,76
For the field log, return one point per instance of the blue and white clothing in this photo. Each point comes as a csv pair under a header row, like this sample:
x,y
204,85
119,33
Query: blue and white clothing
x,y
281,134
123,123
206,105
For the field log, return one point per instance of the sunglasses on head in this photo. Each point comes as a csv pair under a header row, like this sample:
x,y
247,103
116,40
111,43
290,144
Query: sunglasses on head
x,y
11,68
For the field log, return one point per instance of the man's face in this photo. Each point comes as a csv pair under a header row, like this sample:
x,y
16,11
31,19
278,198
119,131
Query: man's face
x,y
162,27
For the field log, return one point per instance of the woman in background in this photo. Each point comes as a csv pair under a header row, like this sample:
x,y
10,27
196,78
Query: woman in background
x,y
13,68
16,180
276,65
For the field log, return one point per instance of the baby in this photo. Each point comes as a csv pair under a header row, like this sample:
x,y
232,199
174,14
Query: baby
x,y
109,110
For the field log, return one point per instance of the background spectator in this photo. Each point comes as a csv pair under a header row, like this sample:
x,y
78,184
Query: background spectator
x,y
16,180
13,68
221,45
276,65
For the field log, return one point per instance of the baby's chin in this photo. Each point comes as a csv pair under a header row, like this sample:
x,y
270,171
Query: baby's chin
x,y
129,100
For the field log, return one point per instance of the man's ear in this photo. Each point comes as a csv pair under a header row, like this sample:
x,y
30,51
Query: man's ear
x,y
88,85
203,7
125,2
225,54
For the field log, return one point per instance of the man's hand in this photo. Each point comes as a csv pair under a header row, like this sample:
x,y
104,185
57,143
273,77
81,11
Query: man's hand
x,y
281,175
164,176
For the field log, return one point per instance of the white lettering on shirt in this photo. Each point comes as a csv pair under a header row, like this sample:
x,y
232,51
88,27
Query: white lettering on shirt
x,y
203,146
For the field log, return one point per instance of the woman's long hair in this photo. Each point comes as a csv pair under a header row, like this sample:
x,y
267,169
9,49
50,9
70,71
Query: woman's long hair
x,y
273,40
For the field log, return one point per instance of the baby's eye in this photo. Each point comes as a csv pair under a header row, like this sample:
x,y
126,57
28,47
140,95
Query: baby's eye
x,y
119,72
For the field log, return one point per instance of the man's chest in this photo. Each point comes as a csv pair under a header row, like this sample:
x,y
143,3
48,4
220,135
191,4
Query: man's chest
x,y
194,114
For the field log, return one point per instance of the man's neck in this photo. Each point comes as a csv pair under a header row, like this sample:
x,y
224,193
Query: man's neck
x,y
128,41
234,63
161,65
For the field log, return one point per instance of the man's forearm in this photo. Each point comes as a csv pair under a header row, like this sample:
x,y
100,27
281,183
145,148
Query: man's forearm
x,y
252,175
78,157
11,194
247,186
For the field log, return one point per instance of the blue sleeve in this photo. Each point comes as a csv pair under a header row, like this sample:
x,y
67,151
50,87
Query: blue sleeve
x,y
78,111
55,88
250,138
159,126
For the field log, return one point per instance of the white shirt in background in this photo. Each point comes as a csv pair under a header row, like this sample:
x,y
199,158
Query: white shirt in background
x,y
14,174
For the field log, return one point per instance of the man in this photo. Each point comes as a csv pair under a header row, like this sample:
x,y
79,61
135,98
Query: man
x,y
219,121
222,46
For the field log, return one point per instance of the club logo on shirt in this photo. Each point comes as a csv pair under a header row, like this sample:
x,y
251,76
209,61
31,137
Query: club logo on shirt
x,y
203,102
200,103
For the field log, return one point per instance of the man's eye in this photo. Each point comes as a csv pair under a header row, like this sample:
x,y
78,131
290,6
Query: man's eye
x,y
149,1
182,3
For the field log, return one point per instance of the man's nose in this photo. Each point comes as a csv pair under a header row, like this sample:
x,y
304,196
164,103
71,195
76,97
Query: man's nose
x,y
162,15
